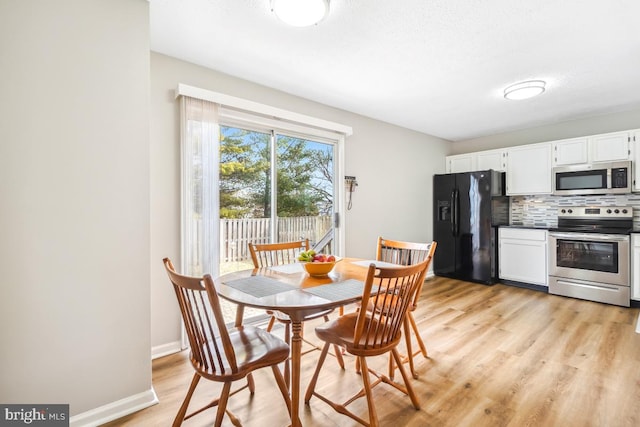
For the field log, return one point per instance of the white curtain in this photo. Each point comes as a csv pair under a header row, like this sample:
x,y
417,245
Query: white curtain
x,y
200,158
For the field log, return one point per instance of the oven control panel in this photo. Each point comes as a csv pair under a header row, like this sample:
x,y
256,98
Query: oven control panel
x,y
595,212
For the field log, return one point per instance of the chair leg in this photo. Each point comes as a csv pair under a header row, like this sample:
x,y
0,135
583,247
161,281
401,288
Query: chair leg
x,y
409,327
312,384
392,366
222,403
251,383
373,417
283,387
272,321
414,326
407,339
337,349
185,403
405,378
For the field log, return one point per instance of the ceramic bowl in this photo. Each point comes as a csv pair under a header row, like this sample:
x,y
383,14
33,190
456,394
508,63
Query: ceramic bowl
x,y
318,268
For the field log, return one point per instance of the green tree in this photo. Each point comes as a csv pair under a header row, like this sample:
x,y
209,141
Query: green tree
x,y
240,170
323,179
303,175
296,195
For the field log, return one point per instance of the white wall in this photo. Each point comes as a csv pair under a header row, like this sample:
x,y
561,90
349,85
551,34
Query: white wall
x,y
74,215
569,129
394,168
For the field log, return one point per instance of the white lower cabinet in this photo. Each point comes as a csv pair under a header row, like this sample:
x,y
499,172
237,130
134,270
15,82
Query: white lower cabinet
x,y
635,165
635,267
522,255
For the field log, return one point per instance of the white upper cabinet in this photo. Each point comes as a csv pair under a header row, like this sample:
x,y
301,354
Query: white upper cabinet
x,y
491,159
461,163
529,169
478,161
573,151
610,147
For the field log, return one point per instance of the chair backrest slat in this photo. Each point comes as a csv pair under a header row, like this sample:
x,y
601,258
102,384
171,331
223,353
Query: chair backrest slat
x,y
270,254
405,253
395,289
211,349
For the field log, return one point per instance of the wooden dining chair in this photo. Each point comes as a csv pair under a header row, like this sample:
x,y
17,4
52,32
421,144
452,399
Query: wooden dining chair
x,y
367,333
273,254
407,253
220,354
270,254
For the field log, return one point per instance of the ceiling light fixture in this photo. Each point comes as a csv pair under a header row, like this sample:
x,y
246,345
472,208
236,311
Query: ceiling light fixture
x,y
300,13
525,90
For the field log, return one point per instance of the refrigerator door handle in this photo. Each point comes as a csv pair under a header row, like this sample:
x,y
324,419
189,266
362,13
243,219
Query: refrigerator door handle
x,y
457,219
455,214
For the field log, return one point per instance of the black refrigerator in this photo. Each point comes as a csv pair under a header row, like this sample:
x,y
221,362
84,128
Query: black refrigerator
x,y
468,208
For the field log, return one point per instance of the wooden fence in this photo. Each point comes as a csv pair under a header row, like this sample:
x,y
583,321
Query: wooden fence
x,y
235,234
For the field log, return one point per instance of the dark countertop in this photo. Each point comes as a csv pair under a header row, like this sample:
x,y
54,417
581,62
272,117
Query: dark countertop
x,y
532,227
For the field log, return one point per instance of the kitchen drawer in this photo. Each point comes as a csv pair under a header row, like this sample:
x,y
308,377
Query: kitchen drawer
x,y
523,234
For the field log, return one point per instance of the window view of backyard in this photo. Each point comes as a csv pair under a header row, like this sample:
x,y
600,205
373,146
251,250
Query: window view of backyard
x,y
273,188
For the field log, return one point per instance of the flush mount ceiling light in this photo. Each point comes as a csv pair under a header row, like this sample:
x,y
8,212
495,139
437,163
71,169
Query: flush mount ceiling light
x,y
525,90
300,13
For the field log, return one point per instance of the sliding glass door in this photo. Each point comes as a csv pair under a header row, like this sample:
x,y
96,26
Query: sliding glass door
x,y
304,191
254,173
274,187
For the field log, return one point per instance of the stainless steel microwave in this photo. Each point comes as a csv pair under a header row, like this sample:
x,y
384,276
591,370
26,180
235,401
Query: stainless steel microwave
x,y
593,178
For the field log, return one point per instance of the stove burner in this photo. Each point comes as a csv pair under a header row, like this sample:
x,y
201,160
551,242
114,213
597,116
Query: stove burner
x,y
603,220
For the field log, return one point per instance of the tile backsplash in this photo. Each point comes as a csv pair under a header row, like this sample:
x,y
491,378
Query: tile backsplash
x,y
542,211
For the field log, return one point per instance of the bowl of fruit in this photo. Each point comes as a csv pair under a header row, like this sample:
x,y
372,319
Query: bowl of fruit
x,y
317,265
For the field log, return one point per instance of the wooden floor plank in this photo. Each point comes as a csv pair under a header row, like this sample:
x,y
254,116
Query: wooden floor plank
x,y
498,356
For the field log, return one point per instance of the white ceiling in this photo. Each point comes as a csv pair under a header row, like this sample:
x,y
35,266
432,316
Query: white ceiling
x,y
435,66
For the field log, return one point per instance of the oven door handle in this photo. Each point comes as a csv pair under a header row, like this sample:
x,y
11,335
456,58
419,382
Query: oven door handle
x,y
591,236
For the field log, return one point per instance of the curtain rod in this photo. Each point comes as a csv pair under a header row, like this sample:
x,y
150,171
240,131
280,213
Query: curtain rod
x,y
256,107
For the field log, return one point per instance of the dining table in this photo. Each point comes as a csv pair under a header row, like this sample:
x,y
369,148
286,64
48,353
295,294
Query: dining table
x,y
288,288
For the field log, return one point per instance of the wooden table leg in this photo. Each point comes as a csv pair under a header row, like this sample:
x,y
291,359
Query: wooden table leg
x,y
296,354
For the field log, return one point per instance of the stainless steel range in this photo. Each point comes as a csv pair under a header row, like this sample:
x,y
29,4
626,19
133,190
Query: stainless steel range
x,y
589,254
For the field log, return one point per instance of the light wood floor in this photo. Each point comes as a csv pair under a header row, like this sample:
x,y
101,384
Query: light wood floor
x,y
498,356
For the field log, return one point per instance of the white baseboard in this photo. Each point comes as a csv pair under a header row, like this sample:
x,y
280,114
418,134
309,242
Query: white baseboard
x,y
115,410
165,349
638,325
